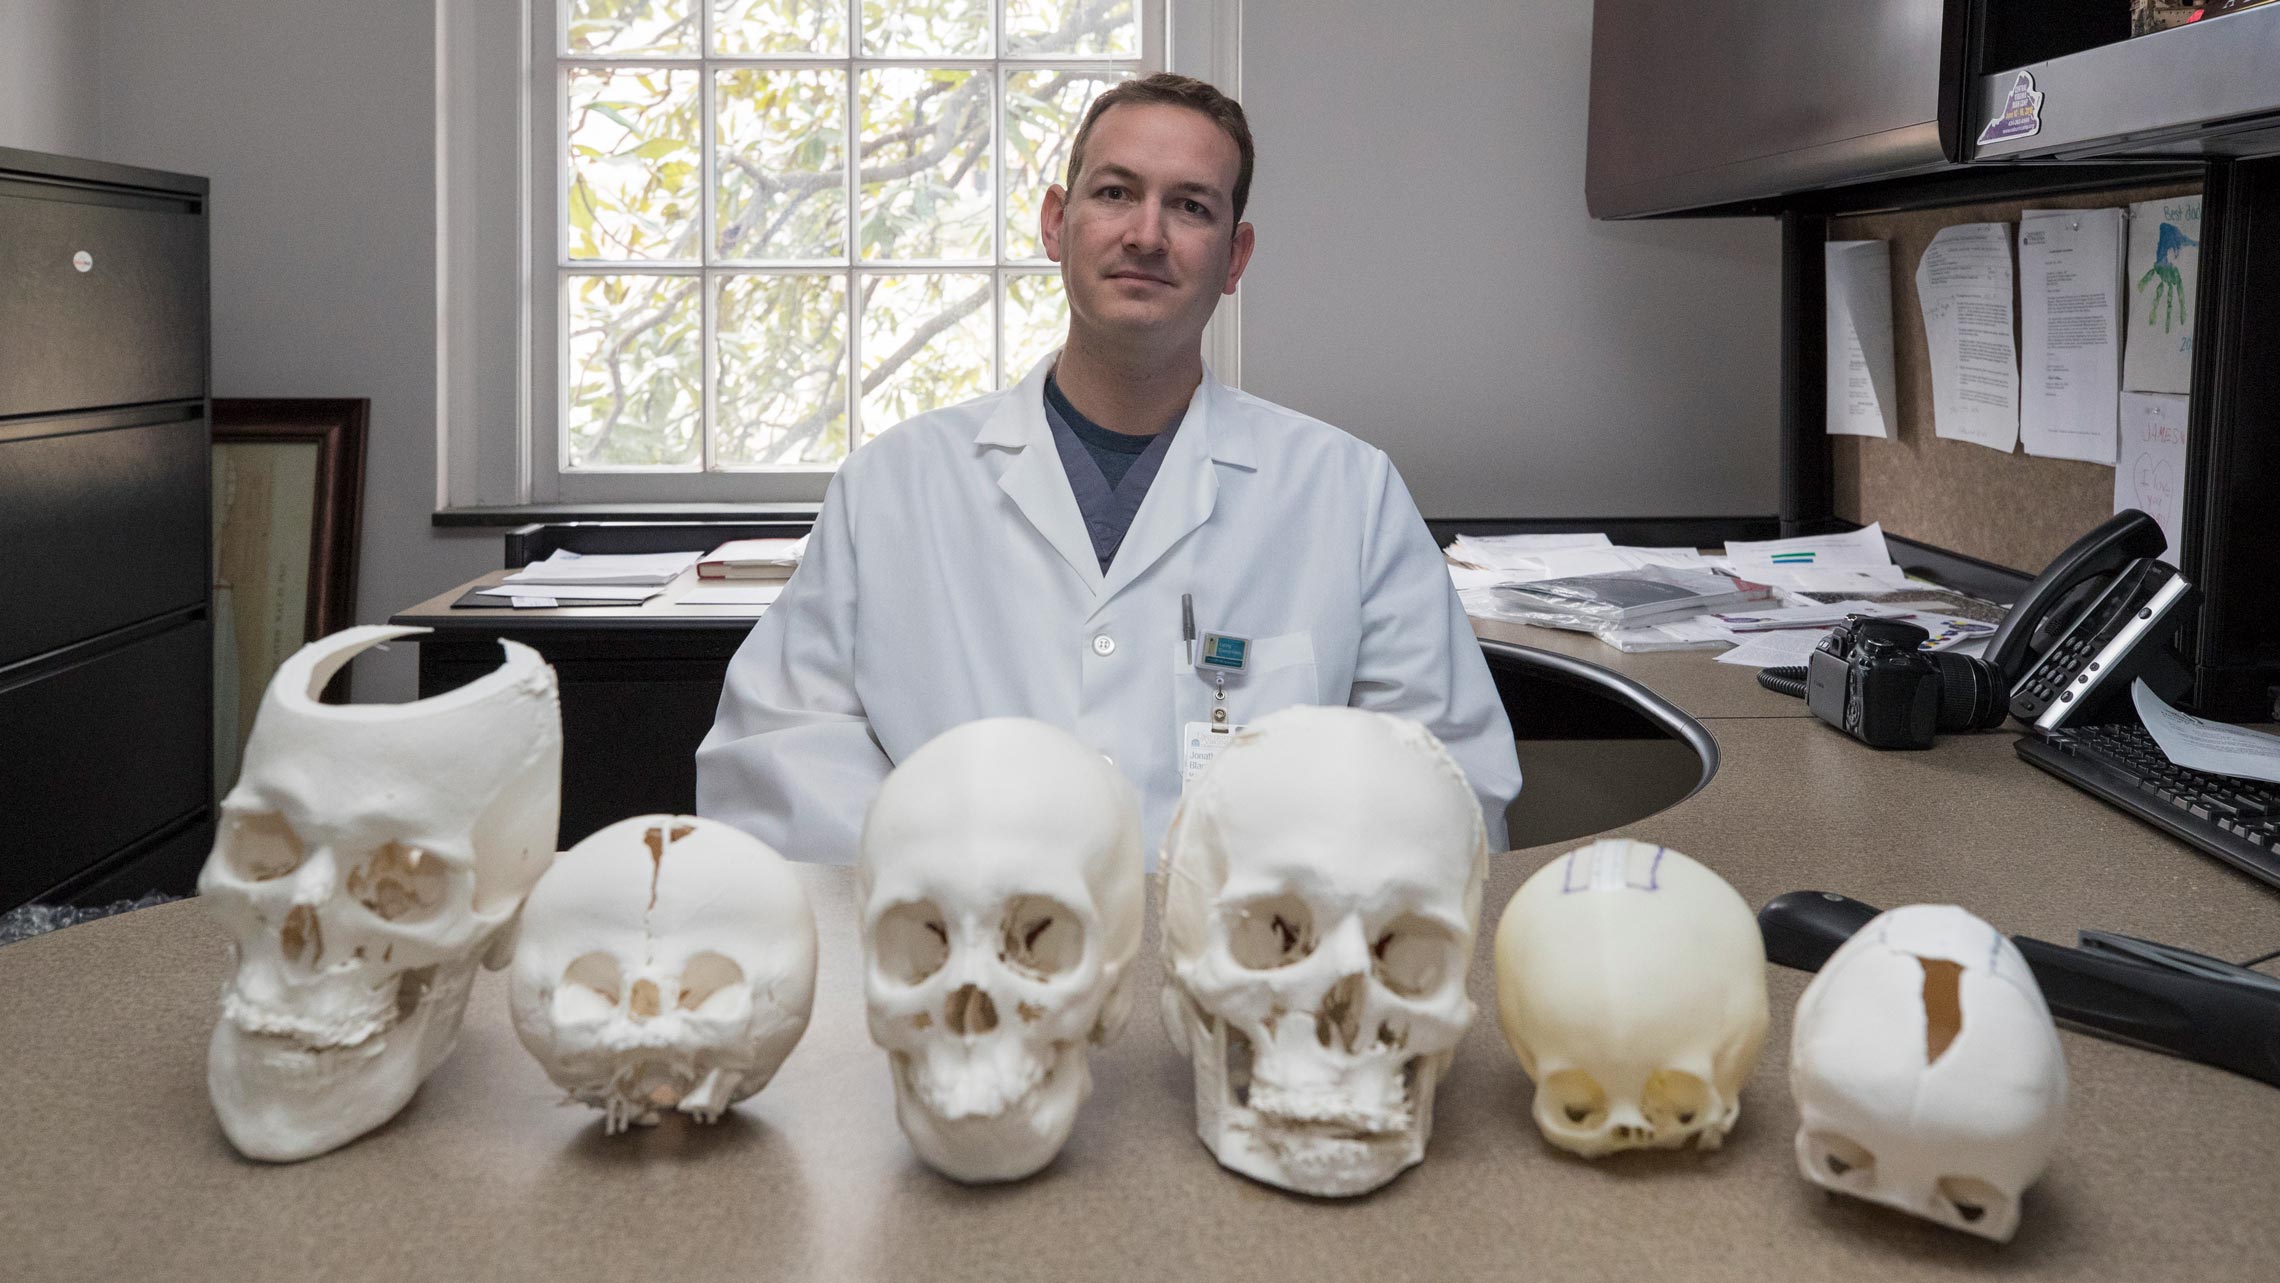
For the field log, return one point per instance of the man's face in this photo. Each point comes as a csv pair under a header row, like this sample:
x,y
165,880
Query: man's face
x,y
1147,241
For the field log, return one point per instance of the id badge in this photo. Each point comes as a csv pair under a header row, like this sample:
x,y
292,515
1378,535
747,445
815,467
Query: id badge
x,y
1200,742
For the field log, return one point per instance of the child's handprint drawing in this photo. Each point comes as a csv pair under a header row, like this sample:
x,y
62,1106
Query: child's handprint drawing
x,y
2168,285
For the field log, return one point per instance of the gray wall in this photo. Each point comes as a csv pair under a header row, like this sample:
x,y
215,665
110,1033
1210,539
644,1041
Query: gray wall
x,y
48,76
1427,279
316,124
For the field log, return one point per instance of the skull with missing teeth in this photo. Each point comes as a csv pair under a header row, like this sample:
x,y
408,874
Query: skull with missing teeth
x,y
1927,1071
1631,982
667,963
1322,885
1002,889
367,857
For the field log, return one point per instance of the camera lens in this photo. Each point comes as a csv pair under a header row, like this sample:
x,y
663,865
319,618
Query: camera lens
x,y
1972,697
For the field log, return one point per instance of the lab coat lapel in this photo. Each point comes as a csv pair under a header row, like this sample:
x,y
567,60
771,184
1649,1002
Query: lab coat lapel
x,y
1186,488
1034,478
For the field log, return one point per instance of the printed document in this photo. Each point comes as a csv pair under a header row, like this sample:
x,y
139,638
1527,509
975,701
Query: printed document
x,y
2165,301
2198,744
2070,331
1963,284
2150,475
1857,313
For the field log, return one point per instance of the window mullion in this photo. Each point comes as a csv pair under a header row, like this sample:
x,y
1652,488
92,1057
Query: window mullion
x,y
708,171
853,159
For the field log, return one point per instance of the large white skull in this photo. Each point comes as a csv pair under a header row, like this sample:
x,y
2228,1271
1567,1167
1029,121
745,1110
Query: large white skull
x,y
1927,1071
1002,887
1631,981
666,962
1321,895
368,856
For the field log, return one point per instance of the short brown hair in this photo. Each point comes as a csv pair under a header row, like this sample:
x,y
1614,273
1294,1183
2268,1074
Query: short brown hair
x,y
1178,91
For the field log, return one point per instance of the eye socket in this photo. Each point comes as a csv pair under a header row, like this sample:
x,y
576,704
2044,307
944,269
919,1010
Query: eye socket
x,y
400,883
1573,1098
1971,1197
1413,955
1674,1100
260,846
1040,937
1272,932
590,990
708,976
910,942
1841,1157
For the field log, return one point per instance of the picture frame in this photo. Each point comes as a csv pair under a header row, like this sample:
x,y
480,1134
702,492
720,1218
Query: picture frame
x,y
287,524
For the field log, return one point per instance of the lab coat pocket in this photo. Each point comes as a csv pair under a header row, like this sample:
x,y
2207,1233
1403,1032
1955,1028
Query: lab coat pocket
x,y
1280,673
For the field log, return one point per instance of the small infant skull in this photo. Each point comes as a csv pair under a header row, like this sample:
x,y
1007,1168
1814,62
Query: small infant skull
x,y
1927,1071
1631,983
368,856
1002,888
1321,884
667,962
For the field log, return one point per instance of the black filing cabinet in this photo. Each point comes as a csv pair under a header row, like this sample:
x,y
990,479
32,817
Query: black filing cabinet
x,y
106,649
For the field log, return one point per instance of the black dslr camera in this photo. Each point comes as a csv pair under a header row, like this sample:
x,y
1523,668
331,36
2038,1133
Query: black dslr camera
x,y
1870,679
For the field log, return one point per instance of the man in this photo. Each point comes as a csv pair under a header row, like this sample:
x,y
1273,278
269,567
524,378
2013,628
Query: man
x,y
1042,551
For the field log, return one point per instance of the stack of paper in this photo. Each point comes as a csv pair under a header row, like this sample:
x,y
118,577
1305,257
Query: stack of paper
x,y
592,579
1856,562
1489,552
764,559
566,567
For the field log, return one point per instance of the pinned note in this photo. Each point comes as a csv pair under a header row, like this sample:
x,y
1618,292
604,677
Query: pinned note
x,y
2070,331
1963,284
2150,474
2164,270
1858,315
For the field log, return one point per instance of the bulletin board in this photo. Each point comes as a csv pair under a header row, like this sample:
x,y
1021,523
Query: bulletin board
x,y
2014,510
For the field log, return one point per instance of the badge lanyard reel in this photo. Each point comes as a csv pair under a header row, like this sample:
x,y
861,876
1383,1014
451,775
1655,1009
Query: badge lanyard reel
x,y
1217,655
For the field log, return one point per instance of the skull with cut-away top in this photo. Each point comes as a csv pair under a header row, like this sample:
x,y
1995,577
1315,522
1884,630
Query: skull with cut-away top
x,y
369,855
1321,886
1927,1071
1002,888
667,963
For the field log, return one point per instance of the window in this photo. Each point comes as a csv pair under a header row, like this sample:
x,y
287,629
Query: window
x,y
783,225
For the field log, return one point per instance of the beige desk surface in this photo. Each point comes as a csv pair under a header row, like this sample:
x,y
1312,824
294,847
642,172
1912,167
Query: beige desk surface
x,y
115,1169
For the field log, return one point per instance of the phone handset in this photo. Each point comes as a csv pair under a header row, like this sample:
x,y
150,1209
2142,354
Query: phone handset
x,y
2128,536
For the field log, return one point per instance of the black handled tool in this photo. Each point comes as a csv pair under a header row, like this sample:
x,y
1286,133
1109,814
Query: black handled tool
x,y
2118,987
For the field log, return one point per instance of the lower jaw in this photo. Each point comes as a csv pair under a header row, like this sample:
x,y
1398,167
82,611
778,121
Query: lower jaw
x,y
1018,1141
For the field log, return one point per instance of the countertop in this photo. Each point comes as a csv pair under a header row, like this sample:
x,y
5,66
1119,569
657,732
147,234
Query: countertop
x,y
2166,1170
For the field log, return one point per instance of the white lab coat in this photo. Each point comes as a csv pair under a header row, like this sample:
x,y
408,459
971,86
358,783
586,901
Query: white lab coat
x,y
950,577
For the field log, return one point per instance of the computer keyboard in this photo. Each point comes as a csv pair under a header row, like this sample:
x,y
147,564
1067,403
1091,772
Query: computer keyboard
x,y
2235,820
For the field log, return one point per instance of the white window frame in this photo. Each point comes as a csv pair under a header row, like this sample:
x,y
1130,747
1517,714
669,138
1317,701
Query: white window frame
x,y
499,265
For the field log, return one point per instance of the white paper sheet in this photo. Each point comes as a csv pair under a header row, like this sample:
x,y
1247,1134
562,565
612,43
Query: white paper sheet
x,y
2070,331
2199,744
1499,550
1785,649
2150,476
1862,547
1963,285
566,567
1857,313
1465,577
2165,299
717,594
587,592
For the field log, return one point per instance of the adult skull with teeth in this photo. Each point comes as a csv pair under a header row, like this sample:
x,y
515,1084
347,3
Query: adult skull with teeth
x,y
666,962
1002,886
1631,983
368,856
1927,1071
1321,890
